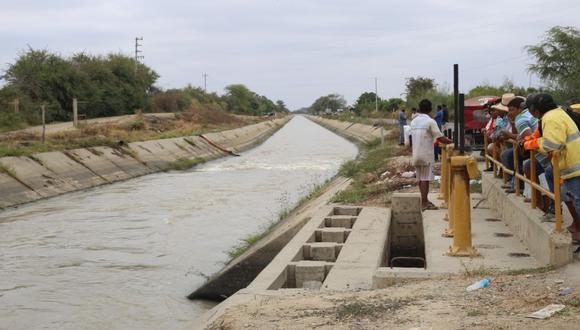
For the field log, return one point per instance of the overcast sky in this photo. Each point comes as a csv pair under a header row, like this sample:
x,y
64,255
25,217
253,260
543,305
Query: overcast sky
x,y
296,50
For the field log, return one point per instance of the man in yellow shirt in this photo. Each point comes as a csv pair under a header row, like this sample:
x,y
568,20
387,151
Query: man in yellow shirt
x,y
559,132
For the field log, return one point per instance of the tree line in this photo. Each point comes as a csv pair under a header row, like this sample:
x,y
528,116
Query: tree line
x,y
109,85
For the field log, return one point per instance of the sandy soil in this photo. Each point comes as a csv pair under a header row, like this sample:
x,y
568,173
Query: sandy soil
x,y
441,303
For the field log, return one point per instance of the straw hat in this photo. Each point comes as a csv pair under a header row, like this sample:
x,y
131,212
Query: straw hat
x,y
505,99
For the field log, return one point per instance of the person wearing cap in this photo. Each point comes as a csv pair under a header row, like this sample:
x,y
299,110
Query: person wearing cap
x,y
424,133
525,125
504,131
559,132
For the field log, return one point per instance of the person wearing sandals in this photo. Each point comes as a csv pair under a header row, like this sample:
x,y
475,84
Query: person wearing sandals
x,y
424,132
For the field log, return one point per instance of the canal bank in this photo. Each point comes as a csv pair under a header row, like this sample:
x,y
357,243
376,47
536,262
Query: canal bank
x,y
49,174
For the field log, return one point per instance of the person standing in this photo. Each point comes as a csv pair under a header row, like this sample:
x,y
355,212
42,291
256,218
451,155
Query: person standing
x,y
439,121
424,133
402,123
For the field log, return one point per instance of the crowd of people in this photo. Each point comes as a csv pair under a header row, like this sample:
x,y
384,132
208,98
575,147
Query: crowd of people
x,y
538,123
517,123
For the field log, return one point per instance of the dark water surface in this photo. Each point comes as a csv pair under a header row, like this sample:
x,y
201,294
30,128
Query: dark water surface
x,y
124,256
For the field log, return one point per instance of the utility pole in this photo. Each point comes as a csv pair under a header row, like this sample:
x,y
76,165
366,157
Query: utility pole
x,y
204,75
137,52
42,108
75,113
377,110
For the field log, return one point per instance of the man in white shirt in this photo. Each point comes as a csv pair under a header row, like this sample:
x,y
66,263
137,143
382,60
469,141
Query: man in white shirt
x,y
424,132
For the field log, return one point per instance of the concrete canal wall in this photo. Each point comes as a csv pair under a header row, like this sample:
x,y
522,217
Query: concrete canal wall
x,y
48,174
353,131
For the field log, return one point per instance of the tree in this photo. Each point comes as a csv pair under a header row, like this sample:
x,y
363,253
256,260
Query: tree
x,y
391,104
417,86
281,106
239,99
365,103
558,61
107,86
331,102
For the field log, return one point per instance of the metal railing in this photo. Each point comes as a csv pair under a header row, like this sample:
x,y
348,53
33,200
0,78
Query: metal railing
x,y
535,187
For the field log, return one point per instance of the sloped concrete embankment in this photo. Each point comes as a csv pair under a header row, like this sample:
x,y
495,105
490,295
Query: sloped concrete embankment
x,y
352,131
48,174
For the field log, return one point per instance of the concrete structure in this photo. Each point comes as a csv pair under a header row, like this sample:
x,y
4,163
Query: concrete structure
x,y
43,175
240,272
548,246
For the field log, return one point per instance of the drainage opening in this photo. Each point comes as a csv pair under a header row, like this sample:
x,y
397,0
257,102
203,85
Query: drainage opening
x,y
406,246
492,219
503,235
518,255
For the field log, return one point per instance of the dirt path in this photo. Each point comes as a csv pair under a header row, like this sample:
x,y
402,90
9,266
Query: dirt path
x,y
440,303
68,126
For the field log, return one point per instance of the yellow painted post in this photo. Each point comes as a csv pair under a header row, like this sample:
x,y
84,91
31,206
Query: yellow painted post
x,y
516,168
462,168
557,201
449,215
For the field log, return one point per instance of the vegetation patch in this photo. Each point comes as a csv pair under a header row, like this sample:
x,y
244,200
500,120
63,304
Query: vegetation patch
x,y
185,163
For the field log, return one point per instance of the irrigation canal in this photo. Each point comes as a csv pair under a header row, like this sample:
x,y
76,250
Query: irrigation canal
x,y
126,255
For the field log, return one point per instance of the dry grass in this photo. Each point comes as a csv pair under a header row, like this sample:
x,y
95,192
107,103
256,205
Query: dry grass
x,y
142,127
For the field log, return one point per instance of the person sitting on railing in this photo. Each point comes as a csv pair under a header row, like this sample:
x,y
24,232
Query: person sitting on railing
x,y
525,124
560,133
503,129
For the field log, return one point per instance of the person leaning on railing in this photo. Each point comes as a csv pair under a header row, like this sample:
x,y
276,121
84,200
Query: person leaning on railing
x,y
504,130
525,124
559,132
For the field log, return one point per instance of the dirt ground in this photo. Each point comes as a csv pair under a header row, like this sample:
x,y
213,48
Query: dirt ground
x,y
439,303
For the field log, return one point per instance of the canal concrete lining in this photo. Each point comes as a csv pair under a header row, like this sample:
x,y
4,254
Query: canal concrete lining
x,y
43,175
353,131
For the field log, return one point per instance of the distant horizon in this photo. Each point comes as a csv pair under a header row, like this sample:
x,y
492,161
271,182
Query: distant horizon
x,y
298,51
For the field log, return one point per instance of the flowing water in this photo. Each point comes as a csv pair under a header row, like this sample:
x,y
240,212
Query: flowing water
x,y
124,256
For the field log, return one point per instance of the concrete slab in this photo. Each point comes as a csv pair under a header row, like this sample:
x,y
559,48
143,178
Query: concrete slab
x,y
14,192
80,176
336,235
124,160
321,251
35,176
99,164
